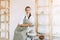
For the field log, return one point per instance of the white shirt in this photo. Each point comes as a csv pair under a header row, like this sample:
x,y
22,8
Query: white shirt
x,y
31,19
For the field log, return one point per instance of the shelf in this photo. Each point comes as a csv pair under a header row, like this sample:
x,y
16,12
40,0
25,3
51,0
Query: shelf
x,y
4,14
4,19
45,34
48,25
3,0
3,8
43,14
42,6
58,14
43,24
4,22
3,39
1,30
48,6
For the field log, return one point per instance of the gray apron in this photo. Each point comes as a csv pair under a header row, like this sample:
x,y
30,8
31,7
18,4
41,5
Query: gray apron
x,y
20,32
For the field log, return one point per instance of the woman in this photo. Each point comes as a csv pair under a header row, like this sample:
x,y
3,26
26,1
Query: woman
x,y
28,21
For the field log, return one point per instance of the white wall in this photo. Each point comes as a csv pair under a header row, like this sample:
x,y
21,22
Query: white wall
x,y
17,11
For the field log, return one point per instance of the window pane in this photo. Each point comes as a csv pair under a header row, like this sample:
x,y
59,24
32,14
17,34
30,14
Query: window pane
x,y
3,34
43,19
2,11
45,10
4,4
56,30
7,35
43,29
7,26
56,2
7,18
56,33
43,2
2,18
56,20
2,26
56,10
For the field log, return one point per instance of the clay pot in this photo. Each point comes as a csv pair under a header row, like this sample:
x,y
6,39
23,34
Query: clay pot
x,y
41,37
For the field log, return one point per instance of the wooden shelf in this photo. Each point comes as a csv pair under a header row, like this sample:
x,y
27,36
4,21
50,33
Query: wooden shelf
x,y
4,22
3,39
43,14
5,8
42,6
43,24
48,6
3,0
4,14
45,34
1,30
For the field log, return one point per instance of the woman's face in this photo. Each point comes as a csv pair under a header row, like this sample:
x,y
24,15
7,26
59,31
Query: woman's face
x,y
27,10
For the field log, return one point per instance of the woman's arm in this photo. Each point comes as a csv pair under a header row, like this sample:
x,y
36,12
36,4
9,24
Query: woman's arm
x,y
25,25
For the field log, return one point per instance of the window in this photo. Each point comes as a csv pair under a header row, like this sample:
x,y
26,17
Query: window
x,y
4,19
48,18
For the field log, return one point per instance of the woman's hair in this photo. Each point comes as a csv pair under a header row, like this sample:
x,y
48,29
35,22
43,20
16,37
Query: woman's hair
x,y
25,10
27,7
29,15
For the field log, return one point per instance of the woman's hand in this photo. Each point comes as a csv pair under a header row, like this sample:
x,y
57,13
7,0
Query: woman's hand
x,y
29,24
25,25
